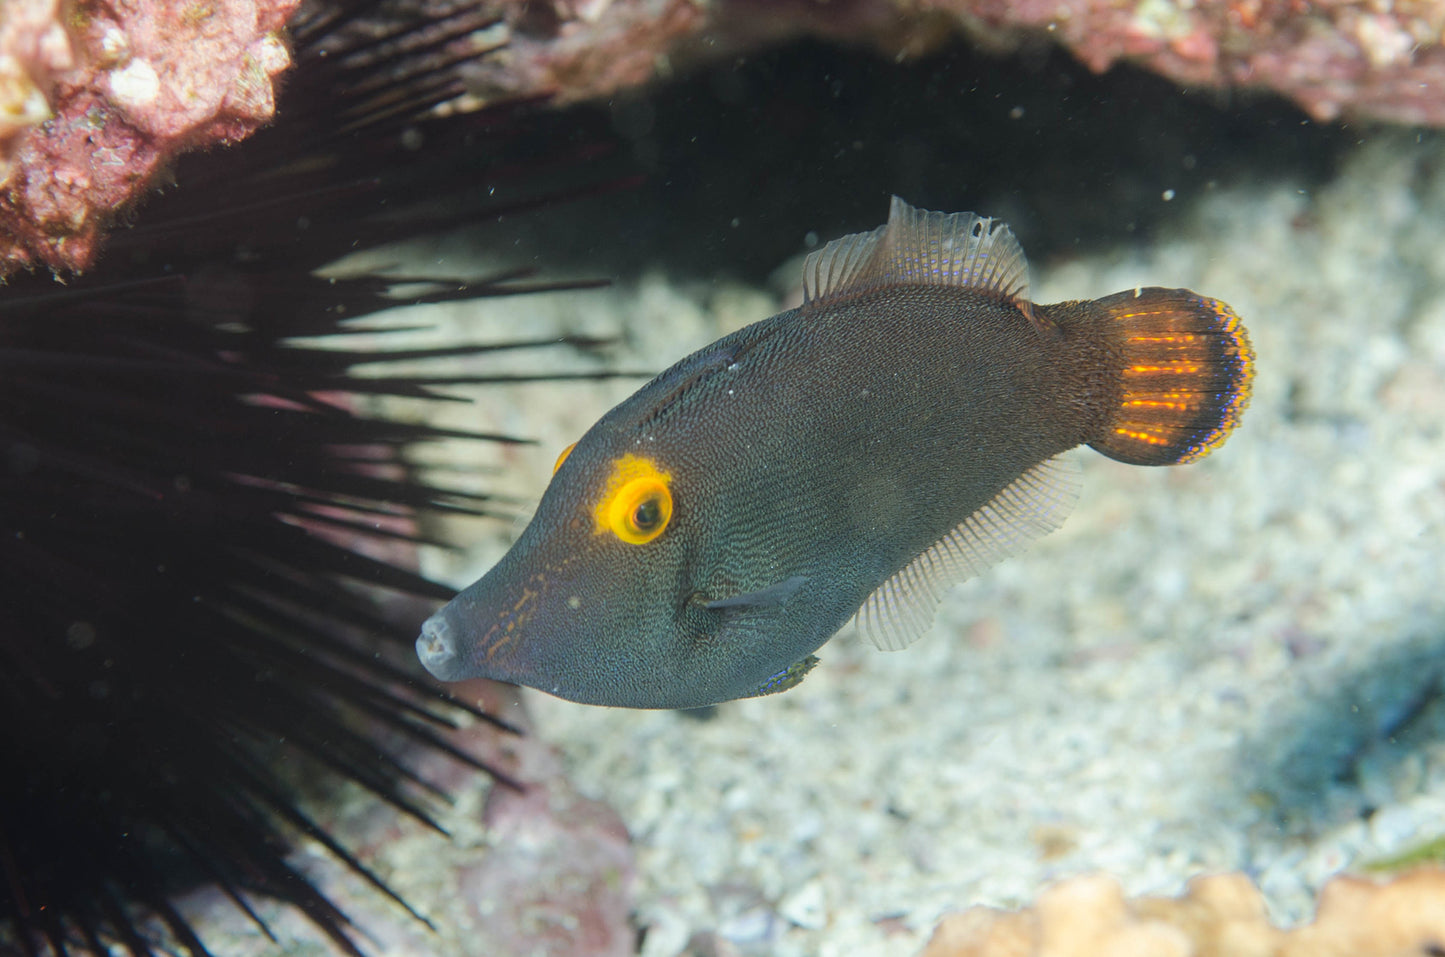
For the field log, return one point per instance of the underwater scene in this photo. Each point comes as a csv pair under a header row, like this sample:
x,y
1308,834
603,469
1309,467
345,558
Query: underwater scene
x,y
722,479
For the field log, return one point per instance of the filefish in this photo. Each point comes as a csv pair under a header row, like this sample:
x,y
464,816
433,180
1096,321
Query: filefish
x,y
851,458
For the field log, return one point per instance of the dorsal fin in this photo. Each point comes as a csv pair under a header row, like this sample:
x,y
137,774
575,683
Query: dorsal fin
x,y
918,247
901,610
840,266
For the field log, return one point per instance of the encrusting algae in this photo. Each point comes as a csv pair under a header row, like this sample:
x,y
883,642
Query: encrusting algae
x,y
1221,916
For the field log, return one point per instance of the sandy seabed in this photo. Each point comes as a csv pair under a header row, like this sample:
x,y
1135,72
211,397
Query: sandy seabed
x,y
1234,665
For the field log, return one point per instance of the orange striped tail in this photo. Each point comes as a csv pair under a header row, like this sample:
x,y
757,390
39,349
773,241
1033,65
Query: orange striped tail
x,y
1185,378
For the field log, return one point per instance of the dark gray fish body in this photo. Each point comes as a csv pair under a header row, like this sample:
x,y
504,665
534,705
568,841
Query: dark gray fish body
x,y
855,455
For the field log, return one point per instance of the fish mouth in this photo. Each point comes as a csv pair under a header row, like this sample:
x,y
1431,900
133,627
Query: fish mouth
x,y
436,646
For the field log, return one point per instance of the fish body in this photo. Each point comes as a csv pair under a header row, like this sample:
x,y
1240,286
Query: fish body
x,y
854,456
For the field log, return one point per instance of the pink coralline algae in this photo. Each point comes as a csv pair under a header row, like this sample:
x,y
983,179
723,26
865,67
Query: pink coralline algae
x,y
586,49
553,873
1332,57
97,96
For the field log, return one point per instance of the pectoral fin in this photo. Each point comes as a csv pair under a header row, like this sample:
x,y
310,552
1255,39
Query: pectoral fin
x,y
764,600
755,613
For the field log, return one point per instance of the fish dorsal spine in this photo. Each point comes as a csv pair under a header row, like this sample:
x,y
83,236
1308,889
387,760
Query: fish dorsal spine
x,y
918,247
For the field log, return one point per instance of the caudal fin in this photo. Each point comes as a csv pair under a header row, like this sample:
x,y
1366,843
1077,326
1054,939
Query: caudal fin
x,y
1187,366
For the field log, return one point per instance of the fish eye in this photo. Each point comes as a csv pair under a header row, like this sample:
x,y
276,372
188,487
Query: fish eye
x,y
563,457
647,515
640,510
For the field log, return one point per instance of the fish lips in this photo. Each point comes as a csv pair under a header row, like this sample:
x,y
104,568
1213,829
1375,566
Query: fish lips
x,y
439,646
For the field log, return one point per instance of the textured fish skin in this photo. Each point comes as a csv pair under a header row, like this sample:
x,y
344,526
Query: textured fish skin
x,y
810,456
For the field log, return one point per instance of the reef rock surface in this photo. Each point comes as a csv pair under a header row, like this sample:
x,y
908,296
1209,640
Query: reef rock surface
x,y
97,96
1335,57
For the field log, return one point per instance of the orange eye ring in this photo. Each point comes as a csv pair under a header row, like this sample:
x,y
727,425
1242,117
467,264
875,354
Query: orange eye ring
x,y
563,457
636,503
640,509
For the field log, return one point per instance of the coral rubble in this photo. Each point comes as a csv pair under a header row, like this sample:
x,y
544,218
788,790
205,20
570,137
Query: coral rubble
x,y
1221,914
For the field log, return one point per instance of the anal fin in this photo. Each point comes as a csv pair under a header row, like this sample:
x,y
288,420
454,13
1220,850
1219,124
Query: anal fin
x,y
901,610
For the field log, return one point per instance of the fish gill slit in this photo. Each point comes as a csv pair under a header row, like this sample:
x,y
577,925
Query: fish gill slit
x,y
713,364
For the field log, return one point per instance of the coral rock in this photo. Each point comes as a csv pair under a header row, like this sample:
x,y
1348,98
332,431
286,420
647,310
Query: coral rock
x,y
1221,915
34,49
98,96
1332,58
1361,918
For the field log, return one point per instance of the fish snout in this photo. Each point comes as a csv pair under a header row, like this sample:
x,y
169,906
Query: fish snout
x,y
484,631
